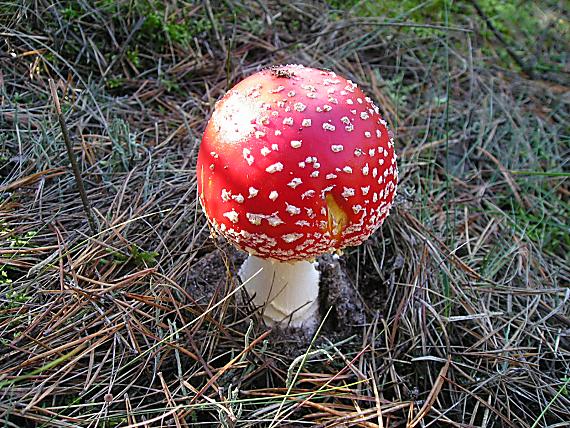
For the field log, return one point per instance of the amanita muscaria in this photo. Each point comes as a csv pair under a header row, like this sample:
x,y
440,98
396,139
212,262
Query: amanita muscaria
x,y
295,162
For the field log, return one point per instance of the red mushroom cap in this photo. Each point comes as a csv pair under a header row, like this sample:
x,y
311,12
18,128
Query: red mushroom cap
x,y
296,162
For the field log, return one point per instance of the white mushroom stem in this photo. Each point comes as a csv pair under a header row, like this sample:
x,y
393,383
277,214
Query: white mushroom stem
x,y
286,293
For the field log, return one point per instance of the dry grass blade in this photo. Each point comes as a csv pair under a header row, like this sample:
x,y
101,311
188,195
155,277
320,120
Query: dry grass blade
x,y
432,396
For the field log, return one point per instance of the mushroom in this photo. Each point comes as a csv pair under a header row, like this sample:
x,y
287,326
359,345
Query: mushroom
x,y
294,163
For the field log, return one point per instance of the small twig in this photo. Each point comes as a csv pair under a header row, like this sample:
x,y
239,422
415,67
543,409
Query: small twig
x,y
525,68
73,160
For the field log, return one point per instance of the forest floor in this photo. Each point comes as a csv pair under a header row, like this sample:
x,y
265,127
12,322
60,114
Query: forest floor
x,y
462,295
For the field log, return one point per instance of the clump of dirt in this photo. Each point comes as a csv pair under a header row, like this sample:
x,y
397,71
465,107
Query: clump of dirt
x,y
338,293
215,274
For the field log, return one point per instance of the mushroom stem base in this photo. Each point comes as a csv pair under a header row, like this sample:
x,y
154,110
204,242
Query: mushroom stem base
x,y
286,293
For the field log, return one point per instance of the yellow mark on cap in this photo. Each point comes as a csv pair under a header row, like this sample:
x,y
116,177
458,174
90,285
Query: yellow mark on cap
x,y
337,218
